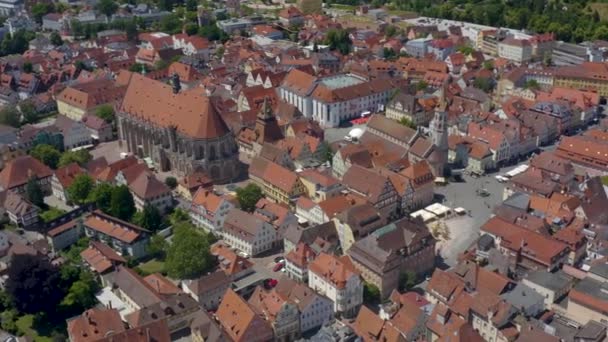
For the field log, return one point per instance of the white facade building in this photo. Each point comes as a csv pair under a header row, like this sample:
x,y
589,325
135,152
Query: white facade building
x,y
208,210
518,51
337,279
248,233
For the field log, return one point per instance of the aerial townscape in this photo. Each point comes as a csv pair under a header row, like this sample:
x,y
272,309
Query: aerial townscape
x,y
303,170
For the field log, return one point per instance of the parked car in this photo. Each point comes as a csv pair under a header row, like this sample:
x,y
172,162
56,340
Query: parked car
x,y
279,266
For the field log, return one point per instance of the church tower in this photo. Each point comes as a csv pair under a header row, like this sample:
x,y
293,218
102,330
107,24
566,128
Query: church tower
x,y
439,138
439,130
266,126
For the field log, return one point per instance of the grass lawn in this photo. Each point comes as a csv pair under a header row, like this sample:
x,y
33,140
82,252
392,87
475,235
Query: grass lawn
x,y
152,266
343,7
51,214
24,324
605,180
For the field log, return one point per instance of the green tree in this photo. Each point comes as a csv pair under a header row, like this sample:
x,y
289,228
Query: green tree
x,y
81,294
107,7
532,84
338,39
407,122
161,65
56,39
82,157
9,318
138,67
28,68
371,293
484,84
488,65
249,196
188,256
46,154
157,246
106,112
28,111
40,9
326,153
51,214
80,189
171,182
407,280
33,192
33,284
421,86
191,5
149,218
178,216
102,197
9,115
171,24
121,203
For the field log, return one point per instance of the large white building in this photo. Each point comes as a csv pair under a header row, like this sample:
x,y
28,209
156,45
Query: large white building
x,y
518,51
248,233
334,99
337,279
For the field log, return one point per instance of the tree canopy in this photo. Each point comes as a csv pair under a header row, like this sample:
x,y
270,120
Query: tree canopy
x,y
81,157
47,154
33,192
188,256
107,7
10,116
121,203
33,284
338,39
106,112
80,189
149,218
249,196
101,195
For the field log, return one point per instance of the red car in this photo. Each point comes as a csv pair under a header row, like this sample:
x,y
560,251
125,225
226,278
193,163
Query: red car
x,y
278,266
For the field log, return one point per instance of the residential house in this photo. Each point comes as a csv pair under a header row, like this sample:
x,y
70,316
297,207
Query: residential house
x,y
95,325
84,98
20,211
337,279
377,189
418,110
75,133
356,223
101,259
291,16
280,312
400,247
148,190
314,310
209,210
278,215
248,233
320,185
99,129
208,290
64,235
189,184
588,301
62,178
552,286
240,321
525,248
125,238
278,183
352,154
296,262
324,236
20,170
233,265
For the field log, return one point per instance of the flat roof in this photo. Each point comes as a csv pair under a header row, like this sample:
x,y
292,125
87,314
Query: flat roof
x,y
341,81
424,215
438,209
